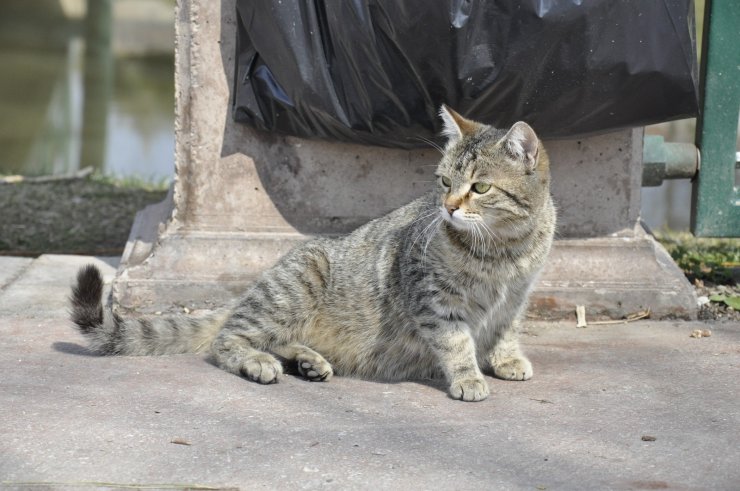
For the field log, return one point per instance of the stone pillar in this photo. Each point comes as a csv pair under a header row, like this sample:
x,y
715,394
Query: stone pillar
x,y
241,198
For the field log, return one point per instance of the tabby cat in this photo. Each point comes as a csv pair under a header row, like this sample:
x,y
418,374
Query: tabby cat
x,y
435,288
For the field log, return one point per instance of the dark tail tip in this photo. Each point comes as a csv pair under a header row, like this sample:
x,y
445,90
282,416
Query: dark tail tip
x,y
87,306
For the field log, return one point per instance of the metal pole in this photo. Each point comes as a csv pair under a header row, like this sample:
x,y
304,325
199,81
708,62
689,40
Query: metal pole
x,y
98,82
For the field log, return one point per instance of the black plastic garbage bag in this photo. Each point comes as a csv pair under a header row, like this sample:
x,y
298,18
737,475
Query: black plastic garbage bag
x,y
376,71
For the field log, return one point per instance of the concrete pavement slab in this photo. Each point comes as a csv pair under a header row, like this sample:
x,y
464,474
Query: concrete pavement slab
x,y
69,418
11,268
43,287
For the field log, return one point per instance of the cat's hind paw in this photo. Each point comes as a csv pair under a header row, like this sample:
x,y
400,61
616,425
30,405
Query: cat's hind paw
x,y
513,369
469,389
314,367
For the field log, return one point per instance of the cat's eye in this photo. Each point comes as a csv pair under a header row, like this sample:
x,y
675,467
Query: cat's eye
x,y
481,187
446,181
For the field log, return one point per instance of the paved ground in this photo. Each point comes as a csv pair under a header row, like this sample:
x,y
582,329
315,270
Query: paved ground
x,y
69,418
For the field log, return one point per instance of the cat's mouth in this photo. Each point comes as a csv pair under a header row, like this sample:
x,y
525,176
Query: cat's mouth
x,y
473,224
459,219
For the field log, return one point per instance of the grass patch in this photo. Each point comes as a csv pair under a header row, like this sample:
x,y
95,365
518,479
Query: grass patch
x,y
710,260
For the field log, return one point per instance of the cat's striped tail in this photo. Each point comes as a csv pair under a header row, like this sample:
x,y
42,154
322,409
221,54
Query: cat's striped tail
x,y
110,334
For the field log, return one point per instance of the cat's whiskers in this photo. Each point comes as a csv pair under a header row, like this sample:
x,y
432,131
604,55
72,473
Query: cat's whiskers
x,y
483,249
478,239
431,143
461,264
494,238
474,250
432,233
493,241
477,246
421,234
425,215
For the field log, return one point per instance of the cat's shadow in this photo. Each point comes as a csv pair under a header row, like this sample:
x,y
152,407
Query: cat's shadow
x,y
72,349
79,350
292,370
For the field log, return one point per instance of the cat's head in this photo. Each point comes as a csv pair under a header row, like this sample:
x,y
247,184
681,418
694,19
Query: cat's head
x,y
493,177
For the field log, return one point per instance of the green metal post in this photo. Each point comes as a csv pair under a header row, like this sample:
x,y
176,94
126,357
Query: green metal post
x,y
98,82
666,160
715,198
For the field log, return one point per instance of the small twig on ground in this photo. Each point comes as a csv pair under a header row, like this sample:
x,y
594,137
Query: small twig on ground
x,y
630,318
543,401
581,318
180,441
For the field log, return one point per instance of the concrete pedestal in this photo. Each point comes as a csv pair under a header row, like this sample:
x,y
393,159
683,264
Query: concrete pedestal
x,y
241,198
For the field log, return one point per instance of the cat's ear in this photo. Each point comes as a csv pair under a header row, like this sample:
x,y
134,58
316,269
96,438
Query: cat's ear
x,y
522,143
455,126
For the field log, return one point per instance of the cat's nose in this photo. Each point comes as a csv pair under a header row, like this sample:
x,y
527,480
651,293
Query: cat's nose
x,y
452,203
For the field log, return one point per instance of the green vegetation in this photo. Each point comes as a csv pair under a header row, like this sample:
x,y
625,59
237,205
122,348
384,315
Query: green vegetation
x,y
713,266
729,300
713,260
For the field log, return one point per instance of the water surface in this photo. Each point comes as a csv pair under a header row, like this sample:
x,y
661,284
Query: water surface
x,y
64,109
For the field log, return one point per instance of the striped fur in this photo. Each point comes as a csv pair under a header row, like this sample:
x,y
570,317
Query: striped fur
x,y
436,288
109,334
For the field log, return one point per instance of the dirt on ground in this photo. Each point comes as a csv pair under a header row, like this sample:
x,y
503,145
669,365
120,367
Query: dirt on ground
x,y
714,299
72,216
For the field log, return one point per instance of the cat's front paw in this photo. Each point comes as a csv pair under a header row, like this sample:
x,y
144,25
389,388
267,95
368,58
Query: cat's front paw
x,y
513,369
469,389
